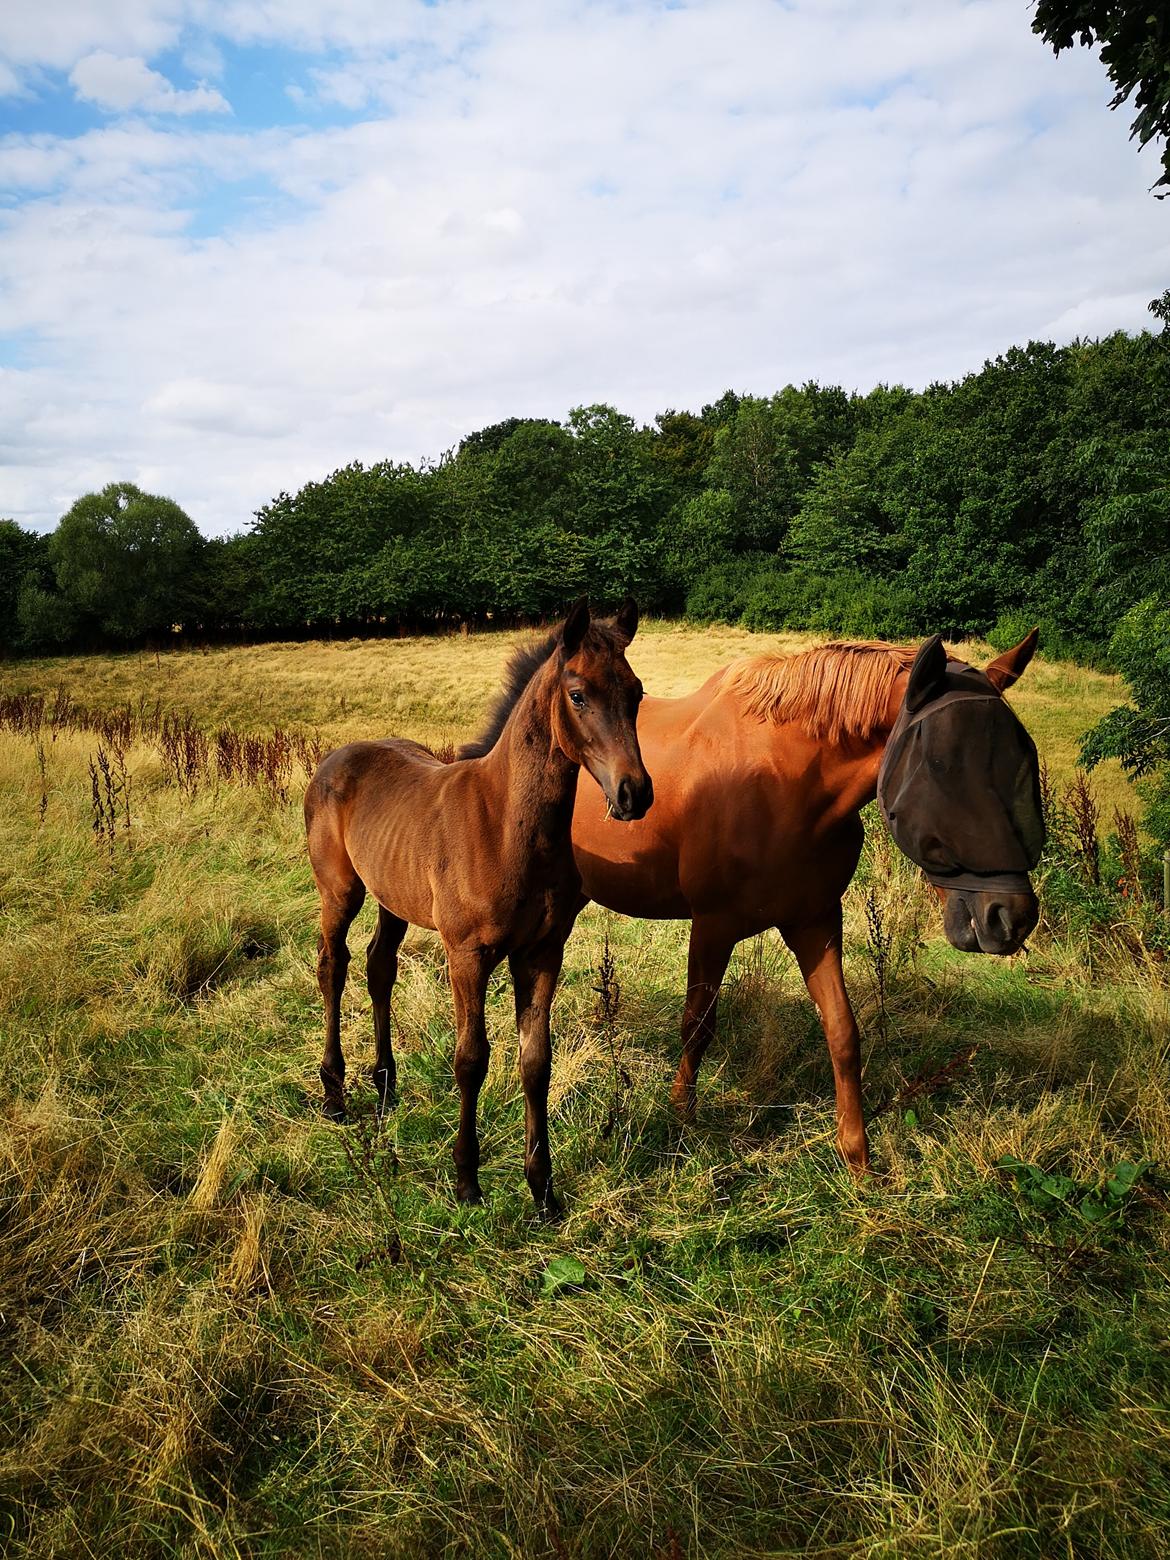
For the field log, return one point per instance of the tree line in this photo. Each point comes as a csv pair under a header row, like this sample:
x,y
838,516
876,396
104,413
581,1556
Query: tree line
x,y
1035,490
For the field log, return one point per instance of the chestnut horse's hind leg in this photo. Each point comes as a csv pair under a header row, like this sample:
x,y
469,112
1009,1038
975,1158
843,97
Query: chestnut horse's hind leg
x,y
818,952
534,979
469,978
381,973
711,945
339,905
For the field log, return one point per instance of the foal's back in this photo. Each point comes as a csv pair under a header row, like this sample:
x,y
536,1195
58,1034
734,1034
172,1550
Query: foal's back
x,y
395,815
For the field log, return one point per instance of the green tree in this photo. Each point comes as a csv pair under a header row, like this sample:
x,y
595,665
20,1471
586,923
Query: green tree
x,y
1134,40
766,452
1138,733
312,550
127,562
619,501
22,554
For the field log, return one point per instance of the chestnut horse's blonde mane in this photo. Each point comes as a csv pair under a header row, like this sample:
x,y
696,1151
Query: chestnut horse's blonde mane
x,y
834,691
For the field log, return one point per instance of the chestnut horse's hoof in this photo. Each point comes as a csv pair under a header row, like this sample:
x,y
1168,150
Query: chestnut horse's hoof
x,y
686,1103
334,1110
469,1194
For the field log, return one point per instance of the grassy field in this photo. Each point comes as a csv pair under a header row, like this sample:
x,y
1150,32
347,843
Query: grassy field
x,y
228,1328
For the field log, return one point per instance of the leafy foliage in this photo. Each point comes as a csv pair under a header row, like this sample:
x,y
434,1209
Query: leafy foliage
x,y
125,561
1049,1192
1139,733
1135,49
1033,491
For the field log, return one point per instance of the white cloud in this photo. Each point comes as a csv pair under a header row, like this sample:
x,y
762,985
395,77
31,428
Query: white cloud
x,y
547,205
59,33
118,83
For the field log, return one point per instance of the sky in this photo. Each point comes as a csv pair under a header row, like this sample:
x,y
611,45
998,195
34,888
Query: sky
x,y
245,242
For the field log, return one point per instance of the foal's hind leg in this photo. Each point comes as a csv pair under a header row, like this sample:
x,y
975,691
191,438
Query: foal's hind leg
x,y
534,978
381,973
342,895
469,978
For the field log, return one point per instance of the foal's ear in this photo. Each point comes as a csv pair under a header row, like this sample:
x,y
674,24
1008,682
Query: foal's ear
x,y
576,627
927,675
626,617
1004,670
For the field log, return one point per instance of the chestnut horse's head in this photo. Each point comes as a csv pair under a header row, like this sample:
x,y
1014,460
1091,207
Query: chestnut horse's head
x,y
595,707
959,787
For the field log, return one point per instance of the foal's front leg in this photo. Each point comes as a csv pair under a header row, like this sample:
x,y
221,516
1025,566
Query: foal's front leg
x,y
469,978
534,977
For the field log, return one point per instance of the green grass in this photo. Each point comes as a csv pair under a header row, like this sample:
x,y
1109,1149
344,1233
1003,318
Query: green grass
x,y
229,1328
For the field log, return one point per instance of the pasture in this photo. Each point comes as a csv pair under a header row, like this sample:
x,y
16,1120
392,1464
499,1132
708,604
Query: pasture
x,y
230,1328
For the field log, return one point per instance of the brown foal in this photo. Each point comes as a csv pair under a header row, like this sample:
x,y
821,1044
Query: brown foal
x,y
479,850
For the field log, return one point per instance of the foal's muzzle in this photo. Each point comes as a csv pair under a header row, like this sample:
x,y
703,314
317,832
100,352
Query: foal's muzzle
x,y
631,798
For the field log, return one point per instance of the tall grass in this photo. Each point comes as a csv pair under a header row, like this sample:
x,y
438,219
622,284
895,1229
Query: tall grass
x,y
230,1328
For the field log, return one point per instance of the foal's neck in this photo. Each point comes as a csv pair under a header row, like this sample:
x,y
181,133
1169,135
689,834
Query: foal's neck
x,y
539,783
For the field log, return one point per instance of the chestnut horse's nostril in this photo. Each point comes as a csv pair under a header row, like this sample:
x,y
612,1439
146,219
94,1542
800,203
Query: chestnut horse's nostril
x,y
625,797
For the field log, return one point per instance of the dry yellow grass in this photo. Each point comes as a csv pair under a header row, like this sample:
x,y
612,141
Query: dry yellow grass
x,y
435,689
229,1329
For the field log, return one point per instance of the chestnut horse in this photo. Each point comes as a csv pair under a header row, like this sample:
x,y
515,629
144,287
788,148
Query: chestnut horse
x,y
760,776
479,850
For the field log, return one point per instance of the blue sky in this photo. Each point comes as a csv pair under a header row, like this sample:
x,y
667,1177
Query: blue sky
x,y
242,243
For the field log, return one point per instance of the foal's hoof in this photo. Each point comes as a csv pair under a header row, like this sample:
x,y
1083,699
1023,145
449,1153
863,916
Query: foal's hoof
x,y
334,1110
549,1209
384,1087
469,1194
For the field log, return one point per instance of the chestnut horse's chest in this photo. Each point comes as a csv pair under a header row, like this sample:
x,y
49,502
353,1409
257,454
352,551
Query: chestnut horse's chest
x,y
734,833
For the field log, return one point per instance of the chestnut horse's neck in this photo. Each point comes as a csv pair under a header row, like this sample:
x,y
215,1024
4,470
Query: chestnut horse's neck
x,y
842,698
537,780
857,760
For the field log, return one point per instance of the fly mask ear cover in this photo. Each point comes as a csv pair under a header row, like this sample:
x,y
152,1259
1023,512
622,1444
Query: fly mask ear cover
x,y
963,802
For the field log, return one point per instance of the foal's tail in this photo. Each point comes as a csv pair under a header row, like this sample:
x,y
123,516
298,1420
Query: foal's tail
x,y
342,890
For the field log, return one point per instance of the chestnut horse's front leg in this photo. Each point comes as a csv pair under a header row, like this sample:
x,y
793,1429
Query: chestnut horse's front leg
x,y
469,979
818,952
712,941
534,979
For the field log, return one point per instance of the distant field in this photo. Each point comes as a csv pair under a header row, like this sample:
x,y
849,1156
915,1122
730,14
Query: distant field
x,y
230,1329
436,689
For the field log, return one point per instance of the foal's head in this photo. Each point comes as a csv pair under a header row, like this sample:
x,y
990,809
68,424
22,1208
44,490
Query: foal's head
x,y
960,789
595,707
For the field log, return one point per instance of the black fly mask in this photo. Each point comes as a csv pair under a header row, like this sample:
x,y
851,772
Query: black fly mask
x,y
959,784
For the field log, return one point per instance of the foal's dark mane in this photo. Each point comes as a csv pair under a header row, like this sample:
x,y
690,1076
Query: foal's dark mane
x,y
523,665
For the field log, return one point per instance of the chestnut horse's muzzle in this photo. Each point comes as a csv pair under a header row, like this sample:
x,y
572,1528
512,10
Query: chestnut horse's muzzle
x,y
988,920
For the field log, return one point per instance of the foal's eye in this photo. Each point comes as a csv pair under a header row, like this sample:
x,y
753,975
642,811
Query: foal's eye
x,y
577,699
